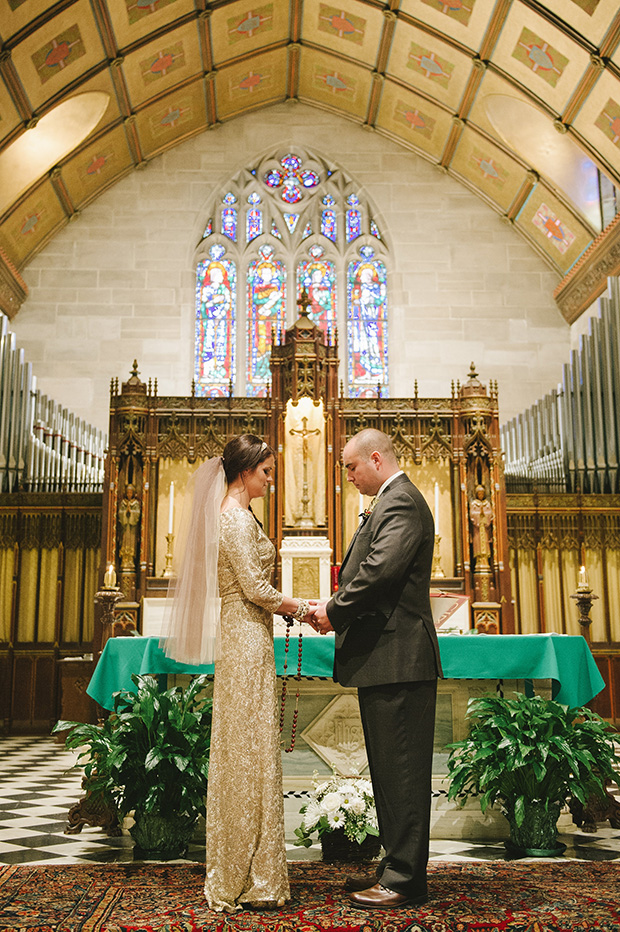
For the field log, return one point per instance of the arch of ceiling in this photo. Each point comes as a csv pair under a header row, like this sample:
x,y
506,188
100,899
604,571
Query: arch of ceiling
x,y
519,100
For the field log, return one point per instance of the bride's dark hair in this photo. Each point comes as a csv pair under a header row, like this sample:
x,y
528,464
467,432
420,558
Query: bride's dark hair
x,y
245,452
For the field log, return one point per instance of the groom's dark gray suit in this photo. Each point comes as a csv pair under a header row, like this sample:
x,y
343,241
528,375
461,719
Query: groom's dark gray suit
x,y
386,645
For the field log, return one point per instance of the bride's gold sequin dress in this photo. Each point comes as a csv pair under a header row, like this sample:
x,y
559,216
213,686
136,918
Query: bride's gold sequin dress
x,y
246,856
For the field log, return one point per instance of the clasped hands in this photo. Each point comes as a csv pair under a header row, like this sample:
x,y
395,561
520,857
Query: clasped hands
x,y
317,616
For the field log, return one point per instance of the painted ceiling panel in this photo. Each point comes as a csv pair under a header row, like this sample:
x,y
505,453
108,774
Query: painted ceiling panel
x,y
182,113
488,168
352,29
423,72
163,64
15,14
554,229
420,124
134,19
252,83
9,117
32,223
465,21
591,18
337,84
58,53
97,166
239,28
490,85
431,66
540,57
598,121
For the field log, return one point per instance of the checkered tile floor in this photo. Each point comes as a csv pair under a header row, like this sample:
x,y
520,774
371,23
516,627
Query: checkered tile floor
x,y
39,784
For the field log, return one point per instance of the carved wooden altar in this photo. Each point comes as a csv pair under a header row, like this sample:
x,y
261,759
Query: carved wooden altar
x,y
449,446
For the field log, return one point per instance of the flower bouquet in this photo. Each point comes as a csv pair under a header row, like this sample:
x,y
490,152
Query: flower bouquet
x,y
341,811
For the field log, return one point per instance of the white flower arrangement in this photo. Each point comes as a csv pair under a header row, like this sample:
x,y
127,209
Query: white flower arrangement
x,y
339,803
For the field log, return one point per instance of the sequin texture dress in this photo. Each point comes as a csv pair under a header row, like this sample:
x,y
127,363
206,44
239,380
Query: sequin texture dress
x,y
245,855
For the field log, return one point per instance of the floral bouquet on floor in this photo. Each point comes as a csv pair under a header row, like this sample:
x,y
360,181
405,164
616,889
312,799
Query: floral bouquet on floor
x,y
341,811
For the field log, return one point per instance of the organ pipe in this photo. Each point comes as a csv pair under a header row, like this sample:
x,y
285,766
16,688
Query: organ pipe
x,y
570,439
43,446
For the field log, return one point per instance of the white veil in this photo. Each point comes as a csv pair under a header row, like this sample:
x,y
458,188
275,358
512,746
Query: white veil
x,y
192,611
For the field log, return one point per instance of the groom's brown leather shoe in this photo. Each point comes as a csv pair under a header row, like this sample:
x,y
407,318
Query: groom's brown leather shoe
x,y
356,882
379,897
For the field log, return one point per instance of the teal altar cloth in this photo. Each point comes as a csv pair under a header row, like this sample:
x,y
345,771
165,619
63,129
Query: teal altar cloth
x,y
565,660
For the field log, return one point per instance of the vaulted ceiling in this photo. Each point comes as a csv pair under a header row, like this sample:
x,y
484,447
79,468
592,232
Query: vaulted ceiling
x,y
519,100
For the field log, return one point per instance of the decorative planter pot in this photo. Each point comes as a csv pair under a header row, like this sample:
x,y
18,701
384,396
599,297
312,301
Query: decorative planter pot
x,y
537,834
335,846
160,837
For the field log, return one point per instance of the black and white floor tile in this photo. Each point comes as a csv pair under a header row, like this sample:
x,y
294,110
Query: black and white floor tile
x,y
39,783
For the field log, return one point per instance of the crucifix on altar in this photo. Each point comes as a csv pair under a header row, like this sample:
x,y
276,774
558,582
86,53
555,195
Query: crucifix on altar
x,y
305,520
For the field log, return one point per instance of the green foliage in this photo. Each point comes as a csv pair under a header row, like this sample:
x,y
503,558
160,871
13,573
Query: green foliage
x,y
152,753
526,749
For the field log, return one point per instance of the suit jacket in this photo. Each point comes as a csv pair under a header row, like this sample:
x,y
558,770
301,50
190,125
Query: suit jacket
x,y
382,612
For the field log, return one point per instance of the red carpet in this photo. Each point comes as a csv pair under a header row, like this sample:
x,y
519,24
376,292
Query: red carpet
x,y
465,897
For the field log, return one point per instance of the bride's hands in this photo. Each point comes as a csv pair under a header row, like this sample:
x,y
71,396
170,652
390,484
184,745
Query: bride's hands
x,y
309,618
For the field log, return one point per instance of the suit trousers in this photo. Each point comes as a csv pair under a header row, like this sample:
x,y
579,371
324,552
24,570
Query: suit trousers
x,y
399,726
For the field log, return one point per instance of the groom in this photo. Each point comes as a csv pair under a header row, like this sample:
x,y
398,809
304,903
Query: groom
x,y
386,646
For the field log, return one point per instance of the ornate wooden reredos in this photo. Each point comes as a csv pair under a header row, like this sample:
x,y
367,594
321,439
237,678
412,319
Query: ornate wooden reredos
x,y
450,446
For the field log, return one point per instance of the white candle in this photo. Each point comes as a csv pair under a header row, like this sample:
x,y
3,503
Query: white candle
x,y
583,579
436,508
109,580
171,510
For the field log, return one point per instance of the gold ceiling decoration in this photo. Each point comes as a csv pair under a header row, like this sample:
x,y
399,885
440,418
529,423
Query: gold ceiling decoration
x,y
426,73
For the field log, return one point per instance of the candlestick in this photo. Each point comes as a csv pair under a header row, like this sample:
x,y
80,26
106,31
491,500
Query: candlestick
x,y
437,572
109,580
167,571
171,510
436,508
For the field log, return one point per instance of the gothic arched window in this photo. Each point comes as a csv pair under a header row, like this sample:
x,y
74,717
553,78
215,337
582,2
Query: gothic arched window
x,y
216,282
291,223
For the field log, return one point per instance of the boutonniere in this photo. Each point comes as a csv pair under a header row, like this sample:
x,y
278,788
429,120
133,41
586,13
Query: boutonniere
x,y
366,513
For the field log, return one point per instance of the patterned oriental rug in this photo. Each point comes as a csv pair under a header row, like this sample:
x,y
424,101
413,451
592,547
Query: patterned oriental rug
x,y
466,897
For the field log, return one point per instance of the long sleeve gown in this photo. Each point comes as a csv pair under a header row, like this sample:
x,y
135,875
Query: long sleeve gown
x,y
245,854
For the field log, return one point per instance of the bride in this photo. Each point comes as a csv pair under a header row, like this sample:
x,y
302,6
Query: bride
x,y
229,559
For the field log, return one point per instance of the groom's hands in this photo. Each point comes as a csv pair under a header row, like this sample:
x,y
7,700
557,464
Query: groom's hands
x,y
317,616
321,621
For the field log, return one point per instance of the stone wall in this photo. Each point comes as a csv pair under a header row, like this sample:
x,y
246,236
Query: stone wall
x,y
118,284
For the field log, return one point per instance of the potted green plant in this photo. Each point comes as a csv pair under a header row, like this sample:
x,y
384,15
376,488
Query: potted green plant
x,y
150,757
531,755
341,812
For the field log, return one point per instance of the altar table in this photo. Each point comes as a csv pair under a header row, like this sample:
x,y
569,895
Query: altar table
x,y
566,660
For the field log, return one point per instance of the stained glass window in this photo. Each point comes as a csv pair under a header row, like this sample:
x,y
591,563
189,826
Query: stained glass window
x,y
291,221
254,218
318,276
266,310
328,218
229,217
292,179
367,324
288,224
215,323
354,218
